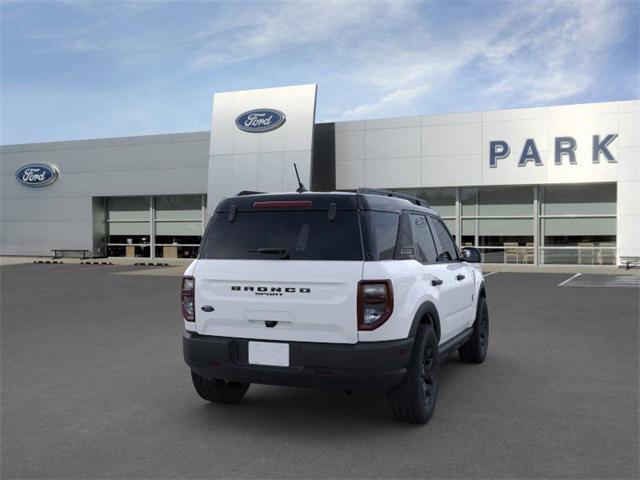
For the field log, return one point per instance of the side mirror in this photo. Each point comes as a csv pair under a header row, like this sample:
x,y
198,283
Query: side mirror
x,y
471,255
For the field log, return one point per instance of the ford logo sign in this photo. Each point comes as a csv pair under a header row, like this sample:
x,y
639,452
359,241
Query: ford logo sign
x,y
37,175
260,120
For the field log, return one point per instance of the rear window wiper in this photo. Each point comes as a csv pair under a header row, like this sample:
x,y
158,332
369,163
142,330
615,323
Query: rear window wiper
x,y
283,252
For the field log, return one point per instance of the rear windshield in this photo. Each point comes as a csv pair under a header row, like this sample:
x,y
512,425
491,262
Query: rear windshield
x,y
274,235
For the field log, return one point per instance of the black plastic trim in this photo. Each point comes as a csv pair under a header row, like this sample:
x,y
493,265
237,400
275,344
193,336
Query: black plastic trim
x,y
389,193
364,366
454,343
430,308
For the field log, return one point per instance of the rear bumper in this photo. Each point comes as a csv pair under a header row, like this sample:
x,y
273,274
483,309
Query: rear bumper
x,y
373,367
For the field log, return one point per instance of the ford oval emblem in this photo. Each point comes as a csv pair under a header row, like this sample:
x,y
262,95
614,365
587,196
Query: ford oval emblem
x,y
37,175
260,120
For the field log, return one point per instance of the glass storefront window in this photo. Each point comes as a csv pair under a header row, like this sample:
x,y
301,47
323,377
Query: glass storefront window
x,y
594,240
509,201
469,202
578,224
133,229
128,208
496,201
501,240
176,232
179,207
505,227
468,233
579,256
129,239
442,200
451,225
129,230
589,228
178,250
168,229
513,238
598,199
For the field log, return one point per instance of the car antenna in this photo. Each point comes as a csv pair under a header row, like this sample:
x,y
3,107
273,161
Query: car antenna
x,y
301,187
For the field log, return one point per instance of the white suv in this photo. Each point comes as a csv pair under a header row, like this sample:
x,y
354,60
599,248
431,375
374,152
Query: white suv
x,y
351,291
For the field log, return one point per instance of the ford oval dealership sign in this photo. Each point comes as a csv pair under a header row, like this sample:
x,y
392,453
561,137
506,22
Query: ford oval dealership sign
x,y
260,120
37,175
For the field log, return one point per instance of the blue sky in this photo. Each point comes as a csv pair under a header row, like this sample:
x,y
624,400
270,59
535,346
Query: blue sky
x,y
85,69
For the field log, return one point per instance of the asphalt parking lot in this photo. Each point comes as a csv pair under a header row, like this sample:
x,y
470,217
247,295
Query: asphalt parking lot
x,y
94,386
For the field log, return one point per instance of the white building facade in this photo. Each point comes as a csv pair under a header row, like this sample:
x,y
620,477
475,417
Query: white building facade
x,y
553,185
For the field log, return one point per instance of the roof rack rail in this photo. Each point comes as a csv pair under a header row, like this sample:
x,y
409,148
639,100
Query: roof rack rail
x,y
388,193
248,192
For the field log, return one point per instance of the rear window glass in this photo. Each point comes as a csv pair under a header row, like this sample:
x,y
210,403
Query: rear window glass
x,y
382,232
274,235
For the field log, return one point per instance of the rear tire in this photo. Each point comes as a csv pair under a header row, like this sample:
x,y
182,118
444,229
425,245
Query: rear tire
x,y
475,349
414,400
219,391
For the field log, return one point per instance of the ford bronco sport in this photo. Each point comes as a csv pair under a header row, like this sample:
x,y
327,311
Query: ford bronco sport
x,y
353,291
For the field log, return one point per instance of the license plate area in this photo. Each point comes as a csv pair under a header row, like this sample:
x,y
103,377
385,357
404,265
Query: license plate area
x,y
269,353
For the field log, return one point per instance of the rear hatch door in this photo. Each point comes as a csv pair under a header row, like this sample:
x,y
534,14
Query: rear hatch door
x,y
304,301
274,270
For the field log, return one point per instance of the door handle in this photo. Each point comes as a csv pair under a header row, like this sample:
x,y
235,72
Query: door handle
x,y
460,277
436,281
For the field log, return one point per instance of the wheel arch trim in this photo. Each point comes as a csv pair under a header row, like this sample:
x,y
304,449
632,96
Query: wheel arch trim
x,y
426,309
482,291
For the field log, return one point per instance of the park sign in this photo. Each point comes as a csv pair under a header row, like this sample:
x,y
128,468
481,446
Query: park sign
x,y
564,147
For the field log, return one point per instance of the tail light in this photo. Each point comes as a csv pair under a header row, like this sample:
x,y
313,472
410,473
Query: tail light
x,y
375,303
188,299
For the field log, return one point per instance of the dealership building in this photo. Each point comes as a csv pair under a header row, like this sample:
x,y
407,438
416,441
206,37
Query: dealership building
x,y
552,185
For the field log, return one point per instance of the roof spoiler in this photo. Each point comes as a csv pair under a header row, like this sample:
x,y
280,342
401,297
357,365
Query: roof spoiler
x,y
248,192
388,193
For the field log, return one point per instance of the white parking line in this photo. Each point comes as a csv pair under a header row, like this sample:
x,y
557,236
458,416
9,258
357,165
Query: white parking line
x,y
489,274
569,279
599,281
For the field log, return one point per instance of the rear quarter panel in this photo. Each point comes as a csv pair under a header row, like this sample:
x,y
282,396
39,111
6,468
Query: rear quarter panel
x,y
410,291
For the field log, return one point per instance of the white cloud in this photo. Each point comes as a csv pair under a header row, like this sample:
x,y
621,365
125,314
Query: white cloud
x,y
553,57
252,33
370,58
389,102
536,52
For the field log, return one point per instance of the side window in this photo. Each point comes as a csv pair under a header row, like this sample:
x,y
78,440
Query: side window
x,y
405,248
422,239
447,250
381,232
